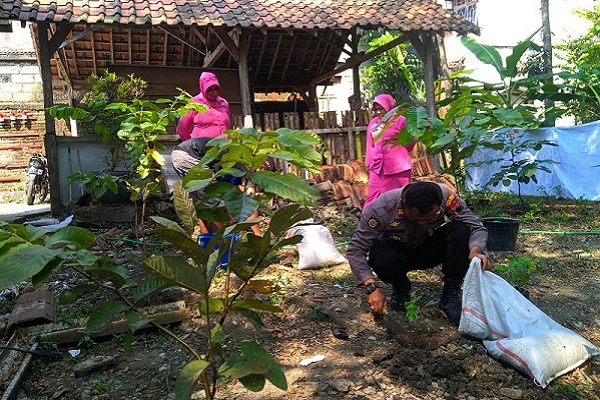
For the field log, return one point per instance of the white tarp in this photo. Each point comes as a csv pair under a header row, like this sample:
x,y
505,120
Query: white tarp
x,y
576,176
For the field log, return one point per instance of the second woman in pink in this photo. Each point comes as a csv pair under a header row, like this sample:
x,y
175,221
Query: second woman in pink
x,y
389,165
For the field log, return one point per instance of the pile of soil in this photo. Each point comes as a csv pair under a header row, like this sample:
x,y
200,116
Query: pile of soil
x,y
325,316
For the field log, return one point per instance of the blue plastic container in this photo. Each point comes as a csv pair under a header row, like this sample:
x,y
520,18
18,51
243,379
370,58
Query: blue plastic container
x,y
229,240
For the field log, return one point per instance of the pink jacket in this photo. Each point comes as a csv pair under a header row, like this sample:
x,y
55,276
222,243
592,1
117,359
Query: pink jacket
x,y
382,158
213,121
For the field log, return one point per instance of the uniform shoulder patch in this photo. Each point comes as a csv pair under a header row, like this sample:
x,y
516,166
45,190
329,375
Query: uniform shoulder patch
x,y
373,222
454,204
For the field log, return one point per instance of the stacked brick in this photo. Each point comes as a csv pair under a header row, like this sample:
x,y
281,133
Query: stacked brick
x,y
342,184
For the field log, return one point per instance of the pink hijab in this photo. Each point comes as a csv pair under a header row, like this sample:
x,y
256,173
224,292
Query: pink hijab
x,y
385,100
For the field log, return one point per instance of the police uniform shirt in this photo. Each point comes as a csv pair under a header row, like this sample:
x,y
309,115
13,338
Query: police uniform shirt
x,y
384,219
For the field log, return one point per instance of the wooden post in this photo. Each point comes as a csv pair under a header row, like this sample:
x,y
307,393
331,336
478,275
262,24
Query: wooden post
x,y
245,80
50,134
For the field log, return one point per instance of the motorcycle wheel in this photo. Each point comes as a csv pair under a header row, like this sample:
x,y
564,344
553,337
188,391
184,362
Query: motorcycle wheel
x,y
29,192
43,193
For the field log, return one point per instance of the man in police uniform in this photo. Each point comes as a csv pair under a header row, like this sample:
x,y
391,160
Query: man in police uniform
x,y
406,229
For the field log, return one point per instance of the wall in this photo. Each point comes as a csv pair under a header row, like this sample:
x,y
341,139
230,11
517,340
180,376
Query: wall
x,y
20,91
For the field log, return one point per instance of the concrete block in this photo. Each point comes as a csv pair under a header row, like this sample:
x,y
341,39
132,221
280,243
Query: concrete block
x,y
24,79
29,70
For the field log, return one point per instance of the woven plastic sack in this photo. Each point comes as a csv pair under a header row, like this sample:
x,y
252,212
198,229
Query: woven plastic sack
x,y
516,331
317,248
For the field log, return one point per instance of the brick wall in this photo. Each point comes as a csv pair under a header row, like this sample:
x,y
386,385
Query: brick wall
x,y
18,141
20,92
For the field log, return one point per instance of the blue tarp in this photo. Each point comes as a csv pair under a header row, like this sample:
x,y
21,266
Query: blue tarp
x,y
577,174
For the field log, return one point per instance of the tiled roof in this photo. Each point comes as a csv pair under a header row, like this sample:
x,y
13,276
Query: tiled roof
x,y
403,15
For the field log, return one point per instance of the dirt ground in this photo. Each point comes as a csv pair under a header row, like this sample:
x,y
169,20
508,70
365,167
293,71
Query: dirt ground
x,y
359,357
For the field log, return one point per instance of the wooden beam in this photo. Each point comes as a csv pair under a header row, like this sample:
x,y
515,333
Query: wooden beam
x,y
224,37
77,73
213,56
360,58
331,44
148,45
165,47
273,61
112,47
289,57
260,56
58,36
181,40
199,34
94,54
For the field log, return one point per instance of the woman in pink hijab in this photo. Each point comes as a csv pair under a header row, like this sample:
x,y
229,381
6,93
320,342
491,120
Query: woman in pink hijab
x,y
213,121
389,166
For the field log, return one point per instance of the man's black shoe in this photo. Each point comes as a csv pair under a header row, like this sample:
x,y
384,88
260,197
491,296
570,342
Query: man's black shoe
x,y
400,295
450,302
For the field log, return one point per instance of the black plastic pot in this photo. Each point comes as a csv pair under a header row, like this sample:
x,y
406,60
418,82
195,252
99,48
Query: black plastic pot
x,y
122,196
502,233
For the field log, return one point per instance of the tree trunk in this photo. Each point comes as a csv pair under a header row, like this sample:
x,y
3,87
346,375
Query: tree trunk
x,y
547,49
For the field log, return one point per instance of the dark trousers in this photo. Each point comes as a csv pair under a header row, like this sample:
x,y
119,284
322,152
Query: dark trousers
x,y
449,246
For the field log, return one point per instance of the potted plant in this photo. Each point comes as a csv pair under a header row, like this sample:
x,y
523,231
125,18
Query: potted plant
x,y
104,187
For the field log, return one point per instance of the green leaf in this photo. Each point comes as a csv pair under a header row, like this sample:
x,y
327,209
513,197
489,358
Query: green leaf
x,y
136,319
46,272
239,205
287,186
254,304
21,263
167,223
486,54
104,314
72,236
287,216
253,317
254,361
254,383
118,275
186,381
212,306
148,287
179,272
73,294
184,207
182,241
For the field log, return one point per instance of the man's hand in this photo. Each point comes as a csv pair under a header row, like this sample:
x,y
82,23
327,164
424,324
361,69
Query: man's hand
x,y
378,301
486,263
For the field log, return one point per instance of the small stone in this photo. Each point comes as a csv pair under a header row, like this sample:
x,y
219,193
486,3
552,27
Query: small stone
x,y
340,386
511,393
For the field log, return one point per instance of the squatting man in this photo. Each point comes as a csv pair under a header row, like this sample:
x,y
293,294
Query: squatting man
x,y
406,229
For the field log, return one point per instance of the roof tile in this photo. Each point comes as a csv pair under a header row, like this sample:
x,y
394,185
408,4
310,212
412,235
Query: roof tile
x,y
403,15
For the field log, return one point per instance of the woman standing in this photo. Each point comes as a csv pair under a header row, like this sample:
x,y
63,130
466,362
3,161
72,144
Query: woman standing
x,y
213,121
389,165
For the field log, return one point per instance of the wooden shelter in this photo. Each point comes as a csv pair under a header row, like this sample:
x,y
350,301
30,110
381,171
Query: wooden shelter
x,y
276,46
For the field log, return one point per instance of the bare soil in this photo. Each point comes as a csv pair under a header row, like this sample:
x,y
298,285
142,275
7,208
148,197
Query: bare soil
x,y
325,315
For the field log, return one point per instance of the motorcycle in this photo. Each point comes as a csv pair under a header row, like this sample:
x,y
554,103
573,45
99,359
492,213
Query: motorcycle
x,y
37,179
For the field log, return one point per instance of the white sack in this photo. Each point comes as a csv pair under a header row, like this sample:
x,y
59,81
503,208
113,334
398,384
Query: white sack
x,y
317,248
516,331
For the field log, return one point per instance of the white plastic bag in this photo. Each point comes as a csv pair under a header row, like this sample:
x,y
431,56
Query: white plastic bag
x,y
317,248
516,331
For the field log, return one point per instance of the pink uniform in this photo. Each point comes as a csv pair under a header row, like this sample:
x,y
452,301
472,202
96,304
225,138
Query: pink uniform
x,y
212,122
389,166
